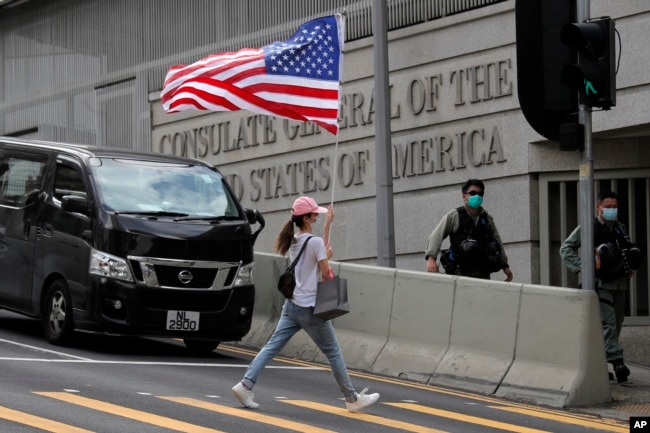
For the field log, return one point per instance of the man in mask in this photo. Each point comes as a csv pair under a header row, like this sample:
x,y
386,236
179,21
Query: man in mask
x,y
616,260
476,249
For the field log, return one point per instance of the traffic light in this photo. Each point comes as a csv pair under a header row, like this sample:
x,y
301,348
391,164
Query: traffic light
x,y
594,73
548,102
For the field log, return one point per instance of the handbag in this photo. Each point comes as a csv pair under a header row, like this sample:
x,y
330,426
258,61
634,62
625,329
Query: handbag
x,y
287,280
332,298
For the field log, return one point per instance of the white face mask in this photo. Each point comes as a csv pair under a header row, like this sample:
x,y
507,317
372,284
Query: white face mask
x,y
610,214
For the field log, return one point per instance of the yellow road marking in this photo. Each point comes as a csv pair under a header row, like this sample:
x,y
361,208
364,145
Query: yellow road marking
x,y
598,425
465,418
38,422
145,417
248,414
431,388
366,417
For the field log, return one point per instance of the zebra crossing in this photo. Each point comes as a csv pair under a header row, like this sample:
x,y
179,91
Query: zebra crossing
x,y
11,419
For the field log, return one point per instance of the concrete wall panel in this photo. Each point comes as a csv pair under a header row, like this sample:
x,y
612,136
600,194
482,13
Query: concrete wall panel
x,y
419,327
268,300
364,331
483,332
560,355
523,342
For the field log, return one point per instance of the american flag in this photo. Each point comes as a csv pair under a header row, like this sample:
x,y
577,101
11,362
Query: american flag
x,y
296,79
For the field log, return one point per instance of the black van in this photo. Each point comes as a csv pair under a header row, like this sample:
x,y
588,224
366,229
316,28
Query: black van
x,y
115,241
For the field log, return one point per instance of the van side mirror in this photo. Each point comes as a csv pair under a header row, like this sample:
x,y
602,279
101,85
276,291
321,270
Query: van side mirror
x,y
254,216
76,204
250,215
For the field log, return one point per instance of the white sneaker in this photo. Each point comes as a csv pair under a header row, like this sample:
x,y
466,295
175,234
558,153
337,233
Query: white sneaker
x,y
244,396
363,401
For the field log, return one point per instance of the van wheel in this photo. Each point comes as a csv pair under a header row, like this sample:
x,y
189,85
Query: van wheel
x,y
57,314
200,347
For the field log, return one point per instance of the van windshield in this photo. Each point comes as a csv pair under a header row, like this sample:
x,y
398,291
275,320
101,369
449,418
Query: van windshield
x,y
134,186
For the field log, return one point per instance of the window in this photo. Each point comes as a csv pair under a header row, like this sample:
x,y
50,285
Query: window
x,y
68,181
20,176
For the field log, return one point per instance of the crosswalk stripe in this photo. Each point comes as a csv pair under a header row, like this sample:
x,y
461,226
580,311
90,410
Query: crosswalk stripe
x,y
38,422
598,425
465,418
145,417
366,417
249,415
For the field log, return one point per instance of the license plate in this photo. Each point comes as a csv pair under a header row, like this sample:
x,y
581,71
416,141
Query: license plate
x,y
183,320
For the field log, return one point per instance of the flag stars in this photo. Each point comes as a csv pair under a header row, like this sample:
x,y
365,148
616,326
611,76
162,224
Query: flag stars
x,y
311,52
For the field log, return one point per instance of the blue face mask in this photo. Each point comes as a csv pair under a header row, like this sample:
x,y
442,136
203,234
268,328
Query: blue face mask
x,y
610,214
475,201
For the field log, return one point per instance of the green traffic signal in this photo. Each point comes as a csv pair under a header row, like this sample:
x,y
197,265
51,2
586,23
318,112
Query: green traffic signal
x,y
589,88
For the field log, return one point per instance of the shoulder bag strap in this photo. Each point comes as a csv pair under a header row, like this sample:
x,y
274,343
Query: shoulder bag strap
x,y
295,261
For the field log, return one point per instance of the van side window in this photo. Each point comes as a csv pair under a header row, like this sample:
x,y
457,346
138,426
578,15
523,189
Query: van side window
x,y
20,175
68,181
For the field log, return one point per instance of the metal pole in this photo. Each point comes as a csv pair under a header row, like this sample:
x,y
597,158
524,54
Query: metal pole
x,y
383,171
586,182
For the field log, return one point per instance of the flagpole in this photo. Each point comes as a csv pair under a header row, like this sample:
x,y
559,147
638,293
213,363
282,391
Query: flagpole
x,y
341,20
336,159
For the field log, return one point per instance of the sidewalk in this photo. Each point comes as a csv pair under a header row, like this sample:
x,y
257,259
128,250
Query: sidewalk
x,y
629,399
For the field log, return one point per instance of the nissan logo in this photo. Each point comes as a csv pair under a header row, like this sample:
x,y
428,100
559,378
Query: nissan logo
x,y
185,277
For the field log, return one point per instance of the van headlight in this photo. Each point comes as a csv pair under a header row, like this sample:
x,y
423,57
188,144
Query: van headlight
x,y
109,266
244,275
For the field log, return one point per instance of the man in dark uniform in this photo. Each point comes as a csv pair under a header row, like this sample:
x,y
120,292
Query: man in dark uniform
x,y
476,248
616,260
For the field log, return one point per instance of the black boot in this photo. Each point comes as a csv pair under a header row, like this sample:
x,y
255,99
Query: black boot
x,y
621,371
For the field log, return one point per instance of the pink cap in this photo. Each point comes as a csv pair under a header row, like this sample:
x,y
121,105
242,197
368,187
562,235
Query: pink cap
x,y
306,205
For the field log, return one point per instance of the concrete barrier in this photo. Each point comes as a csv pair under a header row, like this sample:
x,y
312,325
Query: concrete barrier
x,y
268,300
420,326
530,343
560,354
483,333
364,332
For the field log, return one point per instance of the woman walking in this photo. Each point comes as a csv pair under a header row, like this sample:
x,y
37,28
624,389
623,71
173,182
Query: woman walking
x,y
298,312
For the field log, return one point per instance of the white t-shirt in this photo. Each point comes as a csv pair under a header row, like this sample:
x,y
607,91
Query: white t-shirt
x,y
307,270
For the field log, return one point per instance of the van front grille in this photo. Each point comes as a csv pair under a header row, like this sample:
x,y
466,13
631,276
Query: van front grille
x,y
168,276
183,274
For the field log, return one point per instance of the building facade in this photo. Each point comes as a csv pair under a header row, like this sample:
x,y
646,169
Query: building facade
x,y
91,71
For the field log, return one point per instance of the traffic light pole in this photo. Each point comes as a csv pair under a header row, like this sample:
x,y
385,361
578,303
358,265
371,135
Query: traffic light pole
x,y
586,204
586,182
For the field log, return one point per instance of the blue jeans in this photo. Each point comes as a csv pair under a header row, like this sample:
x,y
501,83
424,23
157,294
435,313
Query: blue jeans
x,y
292,320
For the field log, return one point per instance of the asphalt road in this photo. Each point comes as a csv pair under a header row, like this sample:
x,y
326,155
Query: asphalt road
x,y
122,385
